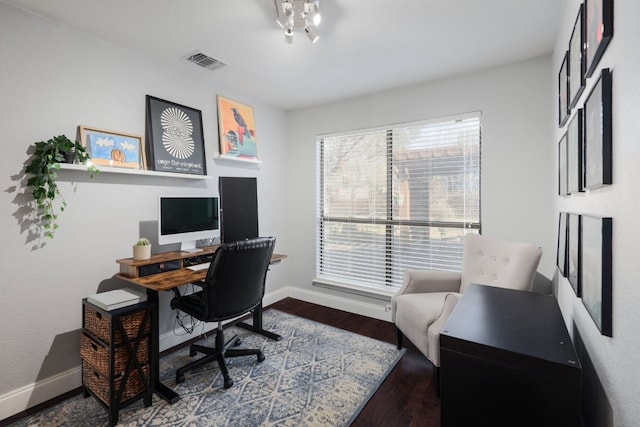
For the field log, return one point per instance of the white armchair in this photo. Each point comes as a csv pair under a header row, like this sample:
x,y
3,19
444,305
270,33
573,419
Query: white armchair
x,y
422,305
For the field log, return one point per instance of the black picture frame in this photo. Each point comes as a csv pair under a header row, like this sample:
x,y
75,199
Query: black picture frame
x,y
576,60
597,271
562,166
563,91
597,117
561,254
574,253
598,31
176,138
575,143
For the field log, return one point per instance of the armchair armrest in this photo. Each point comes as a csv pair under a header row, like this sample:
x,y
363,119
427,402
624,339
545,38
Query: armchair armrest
x,y
422,281
433,333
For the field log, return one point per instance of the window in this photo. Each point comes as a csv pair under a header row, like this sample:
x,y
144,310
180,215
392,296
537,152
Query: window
x,y
396,198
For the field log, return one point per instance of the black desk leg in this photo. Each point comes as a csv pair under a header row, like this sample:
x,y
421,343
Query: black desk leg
x,y
257,325
160,389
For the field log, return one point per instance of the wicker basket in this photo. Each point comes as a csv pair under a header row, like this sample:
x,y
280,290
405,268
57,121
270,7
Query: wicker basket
x,y
100,325
98,356
99,383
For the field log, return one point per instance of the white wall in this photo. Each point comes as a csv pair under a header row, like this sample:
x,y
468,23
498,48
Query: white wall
x,y
517,188
615,359
53,79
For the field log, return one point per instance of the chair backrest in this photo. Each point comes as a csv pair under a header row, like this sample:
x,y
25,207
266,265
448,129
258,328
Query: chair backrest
x,y
499,263
236,277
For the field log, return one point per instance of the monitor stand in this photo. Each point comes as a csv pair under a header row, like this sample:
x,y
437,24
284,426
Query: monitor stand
x,y
189,247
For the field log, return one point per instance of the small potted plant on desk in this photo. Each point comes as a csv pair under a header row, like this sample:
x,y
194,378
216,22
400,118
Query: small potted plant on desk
x,y
142,249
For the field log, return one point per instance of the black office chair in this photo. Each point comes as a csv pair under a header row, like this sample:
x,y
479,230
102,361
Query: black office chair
x,y
234,286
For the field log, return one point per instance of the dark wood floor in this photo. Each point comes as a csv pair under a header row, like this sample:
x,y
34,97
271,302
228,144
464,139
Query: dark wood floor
x,y
408,396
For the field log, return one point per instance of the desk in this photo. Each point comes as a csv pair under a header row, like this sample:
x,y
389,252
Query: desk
x,y
164,272
506,359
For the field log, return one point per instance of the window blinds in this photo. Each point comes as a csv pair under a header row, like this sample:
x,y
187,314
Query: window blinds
x,y
396,198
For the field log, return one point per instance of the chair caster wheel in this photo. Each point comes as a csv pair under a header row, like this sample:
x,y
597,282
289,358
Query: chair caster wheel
x,y
192,352
228,383
237,342
179,379
260,357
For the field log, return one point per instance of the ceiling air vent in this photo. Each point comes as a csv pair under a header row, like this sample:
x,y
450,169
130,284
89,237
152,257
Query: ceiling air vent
x,y
204,60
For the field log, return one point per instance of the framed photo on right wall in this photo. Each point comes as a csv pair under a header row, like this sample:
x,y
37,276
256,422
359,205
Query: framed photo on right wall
x,y
574,252
598,31
596,268
575,176
576,60
597,119
563,91
561,255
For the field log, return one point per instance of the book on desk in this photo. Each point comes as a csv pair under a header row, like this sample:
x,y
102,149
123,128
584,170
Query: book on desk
x,y
116,298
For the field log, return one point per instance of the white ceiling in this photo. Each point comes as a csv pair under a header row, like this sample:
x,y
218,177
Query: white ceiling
x,y
365,46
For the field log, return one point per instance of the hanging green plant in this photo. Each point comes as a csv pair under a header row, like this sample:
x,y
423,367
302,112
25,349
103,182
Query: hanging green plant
x,y
44,166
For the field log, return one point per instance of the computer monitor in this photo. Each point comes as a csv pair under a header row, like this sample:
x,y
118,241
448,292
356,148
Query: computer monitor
x,y
187,219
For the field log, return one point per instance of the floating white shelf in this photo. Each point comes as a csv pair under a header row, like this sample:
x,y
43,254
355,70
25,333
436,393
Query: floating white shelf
x,y
125,171
238,159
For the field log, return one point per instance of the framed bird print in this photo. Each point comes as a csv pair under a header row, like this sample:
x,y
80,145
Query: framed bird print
x,y
237,127
176,141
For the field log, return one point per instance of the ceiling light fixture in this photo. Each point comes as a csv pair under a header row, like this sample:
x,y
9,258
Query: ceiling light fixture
x,y
298,14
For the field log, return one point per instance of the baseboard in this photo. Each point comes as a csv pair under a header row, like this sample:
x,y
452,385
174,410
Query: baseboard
x,y
21,399
376,311
34,394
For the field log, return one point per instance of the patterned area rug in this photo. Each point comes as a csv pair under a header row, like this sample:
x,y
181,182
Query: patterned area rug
x,y
317,375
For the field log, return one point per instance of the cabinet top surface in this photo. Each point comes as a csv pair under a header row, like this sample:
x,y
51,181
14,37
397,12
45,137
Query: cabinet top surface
x,y
520,322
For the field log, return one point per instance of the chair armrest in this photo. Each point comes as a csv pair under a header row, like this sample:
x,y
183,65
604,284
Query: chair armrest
x,y
420,281
433,333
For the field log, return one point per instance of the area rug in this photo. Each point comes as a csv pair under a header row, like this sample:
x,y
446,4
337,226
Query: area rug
x,y
317,375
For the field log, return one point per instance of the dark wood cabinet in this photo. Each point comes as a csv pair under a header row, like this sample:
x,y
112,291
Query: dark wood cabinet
x,y
506,359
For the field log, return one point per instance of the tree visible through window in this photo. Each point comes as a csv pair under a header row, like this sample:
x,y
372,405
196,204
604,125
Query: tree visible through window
x,y
396,198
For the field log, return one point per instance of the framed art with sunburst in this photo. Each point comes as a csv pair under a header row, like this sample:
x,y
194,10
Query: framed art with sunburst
x,y
175,136
237,127
113,148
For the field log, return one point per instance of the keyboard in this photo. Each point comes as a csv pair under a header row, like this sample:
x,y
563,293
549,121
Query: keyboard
x,y
199,267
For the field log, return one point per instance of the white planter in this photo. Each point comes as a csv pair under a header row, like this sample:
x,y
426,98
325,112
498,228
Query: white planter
x,y
141,252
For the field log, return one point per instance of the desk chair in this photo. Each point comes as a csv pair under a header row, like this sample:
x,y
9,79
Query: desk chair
x,y
234,286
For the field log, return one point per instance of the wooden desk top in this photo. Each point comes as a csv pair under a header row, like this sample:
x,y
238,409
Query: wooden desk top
x,y
168,280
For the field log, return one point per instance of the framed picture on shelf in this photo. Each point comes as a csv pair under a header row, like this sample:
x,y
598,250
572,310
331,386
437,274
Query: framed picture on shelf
x,y
574,260
596,271
562,166
576,61
113,148
597,133
237,127
574,154
176,142
598,31
561,255
563,91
